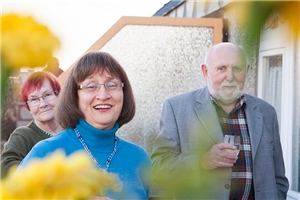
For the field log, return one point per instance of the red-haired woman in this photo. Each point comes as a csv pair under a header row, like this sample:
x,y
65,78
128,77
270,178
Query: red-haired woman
x,y
40,93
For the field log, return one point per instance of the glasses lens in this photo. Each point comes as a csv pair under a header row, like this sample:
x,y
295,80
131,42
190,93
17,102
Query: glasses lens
x,y
112,85
95,86
91,87
36,100
48,96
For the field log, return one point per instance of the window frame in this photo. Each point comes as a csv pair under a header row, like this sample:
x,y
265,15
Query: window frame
x,y
285,49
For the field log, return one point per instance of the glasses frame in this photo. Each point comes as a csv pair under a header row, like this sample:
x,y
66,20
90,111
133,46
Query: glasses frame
x,y
29,101
83,87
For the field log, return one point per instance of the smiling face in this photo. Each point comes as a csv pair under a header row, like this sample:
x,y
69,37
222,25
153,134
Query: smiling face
x,y
44,111
225,73
101,108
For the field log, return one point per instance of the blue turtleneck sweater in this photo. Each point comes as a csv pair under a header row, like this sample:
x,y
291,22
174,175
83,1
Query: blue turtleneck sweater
x,y
131,162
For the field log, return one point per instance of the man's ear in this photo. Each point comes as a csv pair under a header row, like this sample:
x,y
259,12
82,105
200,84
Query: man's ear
x,y
204,70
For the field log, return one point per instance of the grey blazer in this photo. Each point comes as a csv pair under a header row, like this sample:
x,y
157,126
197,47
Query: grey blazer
x,y
189,127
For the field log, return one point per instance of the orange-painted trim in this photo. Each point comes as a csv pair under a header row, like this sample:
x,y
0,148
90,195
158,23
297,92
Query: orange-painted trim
x,y
215,23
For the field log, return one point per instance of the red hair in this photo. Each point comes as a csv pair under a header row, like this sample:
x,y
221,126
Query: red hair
x,y
35,81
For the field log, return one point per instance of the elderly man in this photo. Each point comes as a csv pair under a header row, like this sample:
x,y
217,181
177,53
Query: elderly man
x,y
189,156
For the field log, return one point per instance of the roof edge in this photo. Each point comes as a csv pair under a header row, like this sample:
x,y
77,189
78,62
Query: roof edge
x,y
168,7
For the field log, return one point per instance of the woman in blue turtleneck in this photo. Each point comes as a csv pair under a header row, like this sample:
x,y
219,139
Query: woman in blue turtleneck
x,y
95,102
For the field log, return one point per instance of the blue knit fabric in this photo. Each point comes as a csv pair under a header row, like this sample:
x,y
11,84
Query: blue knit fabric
x,y
131,162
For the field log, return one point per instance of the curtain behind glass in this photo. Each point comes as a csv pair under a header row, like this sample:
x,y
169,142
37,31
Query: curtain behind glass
x,y
273,82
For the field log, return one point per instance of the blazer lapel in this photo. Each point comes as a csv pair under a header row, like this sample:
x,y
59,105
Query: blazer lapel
x,y
207,115
255,125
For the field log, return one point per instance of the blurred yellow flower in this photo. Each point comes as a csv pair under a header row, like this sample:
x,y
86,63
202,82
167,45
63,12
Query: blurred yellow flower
x,y
59,177
25,42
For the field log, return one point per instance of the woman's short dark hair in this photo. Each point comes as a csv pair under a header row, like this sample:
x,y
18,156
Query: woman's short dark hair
x,y
67,109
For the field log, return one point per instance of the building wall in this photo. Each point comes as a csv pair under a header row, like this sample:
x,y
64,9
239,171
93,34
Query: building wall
x,y
237,31
295,182
160,61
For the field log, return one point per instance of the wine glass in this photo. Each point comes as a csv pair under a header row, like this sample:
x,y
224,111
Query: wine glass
x,y
234,140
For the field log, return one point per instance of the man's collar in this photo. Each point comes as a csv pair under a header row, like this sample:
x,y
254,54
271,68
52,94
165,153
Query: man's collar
x,y
241,101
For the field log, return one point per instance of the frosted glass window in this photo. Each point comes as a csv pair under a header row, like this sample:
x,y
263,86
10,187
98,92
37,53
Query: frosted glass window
x,y
160,61
273,82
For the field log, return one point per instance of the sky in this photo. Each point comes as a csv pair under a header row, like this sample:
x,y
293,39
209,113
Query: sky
x,y
79,24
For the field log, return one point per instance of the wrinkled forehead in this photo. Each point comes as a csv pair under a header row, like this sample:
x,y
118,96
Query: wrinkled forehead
x,y
230,54
37,85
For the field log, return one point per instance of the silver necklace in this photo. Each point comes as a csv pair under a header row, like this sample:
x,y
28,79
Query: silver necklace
x,y
86,148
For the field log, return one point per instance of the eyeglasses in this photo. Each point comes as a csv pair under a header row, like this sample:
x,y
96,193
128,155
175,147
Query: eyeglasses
x,y
95,86
35,101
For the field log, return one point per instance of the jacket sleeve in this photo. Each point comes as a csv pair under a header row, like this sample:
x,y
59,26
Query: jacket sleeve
x,y
15,149
281,180
168,160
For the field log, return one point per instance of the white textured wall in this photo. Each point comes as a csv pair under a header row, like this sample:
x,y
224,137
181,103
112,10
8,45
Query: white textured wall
x,y
160,61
